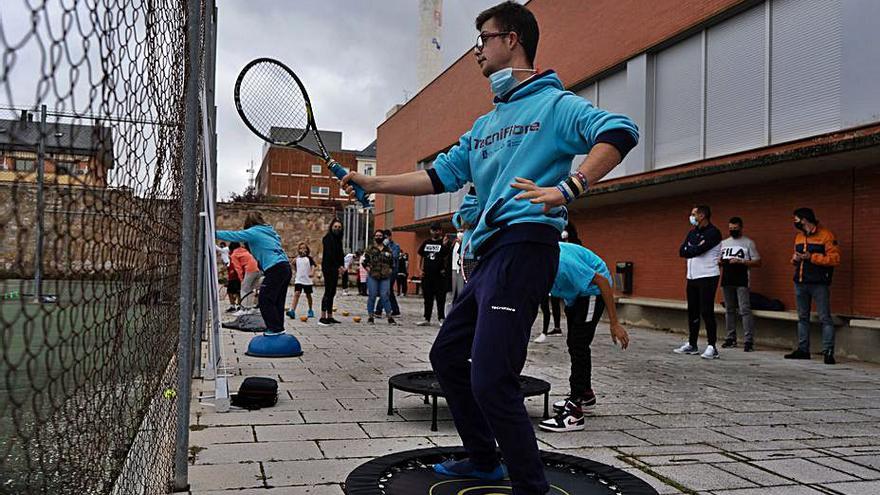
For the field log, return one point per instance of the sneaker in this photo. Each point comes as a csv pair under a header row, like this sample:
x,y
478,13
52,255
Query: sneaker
x,y
686,349
241,312
323,322
710,353
370,320
466,469
333,321
291,314
310,314
586,403
540,338
391,321
232,308
424,323
555,331
345,293
748,347
729,343
797,354
570,419
829,357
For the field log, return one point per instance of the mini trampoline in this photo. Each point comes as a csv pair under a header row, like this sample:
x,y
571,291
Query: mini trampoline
x,y
425,383
411,473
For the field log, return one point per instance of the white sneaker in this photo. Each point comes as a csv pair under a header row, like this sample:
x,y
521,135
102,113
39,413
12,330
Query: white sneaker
x,y
540,338
240,312
423,323
710,353
686,349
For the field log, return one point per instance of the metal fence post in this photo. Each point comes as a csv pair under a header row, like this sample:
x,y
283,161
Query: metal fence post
x,y
189,195
41,174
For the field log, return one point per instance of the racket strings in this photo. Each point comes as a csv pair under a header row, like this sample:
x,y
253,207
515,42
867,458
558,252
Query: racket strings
x,y
273,103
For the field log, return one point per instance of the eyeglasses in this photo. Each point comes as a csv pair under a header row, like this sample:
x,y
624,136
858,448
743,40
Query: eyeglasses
x,y
483,37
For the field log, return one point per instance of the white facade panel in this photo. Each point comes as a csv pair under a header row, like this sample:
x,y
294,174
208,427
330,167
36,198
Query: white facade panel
x,y
678,111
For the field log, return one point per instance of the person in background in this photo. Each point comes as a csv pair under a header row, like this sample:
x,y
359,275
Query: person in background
x,y
738,256
362,272
550,305
233,283
402,274
434,252
379,264
584,283
346,266
304,269
248,271
332,261
265,246
455,261
223,251
816,253
702,249
395,254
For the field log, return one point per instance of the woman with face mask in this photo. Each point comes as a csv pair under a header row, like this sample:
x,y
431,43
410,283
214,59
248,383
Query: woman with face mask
x,y
332,265
378,262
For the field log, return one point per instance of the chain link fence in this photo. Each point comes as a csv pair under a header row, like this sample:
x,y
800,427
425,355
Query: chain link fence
x,y
94,222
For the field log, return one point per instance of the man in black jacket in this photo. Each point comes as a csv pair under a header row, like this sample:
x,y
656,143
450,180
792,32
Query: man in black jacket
x,y
332,266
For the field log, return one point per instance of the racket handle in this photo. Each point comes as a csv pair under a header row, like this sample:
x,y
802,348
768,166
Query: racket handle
x,y
339,171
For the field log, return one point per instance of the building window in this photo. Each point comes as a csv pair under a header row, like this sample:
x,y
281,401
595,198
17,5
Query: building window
x,y
368,171
65,168
320,191
317,169
24,165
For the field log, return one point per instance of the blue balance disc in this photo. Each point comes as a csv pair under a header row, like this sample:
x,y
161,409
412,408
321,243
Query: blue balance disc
x,y
274,345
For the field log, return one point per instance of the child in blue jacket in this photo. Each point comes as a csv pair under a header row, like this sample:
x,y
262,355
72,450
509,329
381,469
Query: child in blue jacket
x,y
265,245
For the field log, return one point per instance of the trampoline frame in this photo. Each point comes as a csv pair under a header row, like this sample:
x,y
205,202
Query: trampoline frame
x,y
433,396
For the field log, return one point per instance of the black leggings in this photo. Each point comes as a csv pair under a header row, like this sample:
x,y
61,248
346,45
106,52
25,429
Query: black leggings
x,y
331,278
434,289
273,295
582,320
546,305
701,304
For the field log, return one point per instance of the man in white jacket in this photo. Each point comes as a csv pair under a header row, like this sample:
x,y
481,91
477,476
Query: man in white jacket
x,y
702,249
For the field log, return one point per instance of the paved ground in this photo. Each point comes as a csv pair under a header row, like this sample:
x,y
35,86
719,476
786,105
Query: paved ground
x,y
746,424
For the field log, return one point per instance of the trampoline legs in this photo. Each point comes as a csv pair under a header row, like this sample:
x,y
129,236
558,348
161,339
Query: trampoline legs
x,y
433,413
546,405
390,400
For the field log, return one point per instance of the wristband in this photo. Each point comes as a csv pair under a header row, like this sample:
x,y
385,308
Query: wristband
x,y
583,178
575,185
565,193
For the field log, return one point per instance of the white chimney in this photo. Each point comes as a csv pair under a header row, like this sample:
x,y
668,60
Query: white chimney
x,y
430,54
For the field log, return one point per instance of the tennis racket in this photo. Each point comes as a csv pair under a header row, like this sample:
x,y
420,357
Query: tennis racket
x,y
274,105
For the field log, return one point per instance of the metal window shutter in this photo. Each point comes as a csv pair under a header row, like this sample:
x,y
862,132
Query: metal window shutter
x,y
611,96
735,84
678,103
805,65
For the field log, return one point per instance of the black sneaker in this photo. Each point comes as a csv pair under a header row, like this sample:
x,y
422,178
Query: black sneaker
x,y
729,343
797,354
570,419
748,347
396,314
555,331
829,357
587,402
371,321
391,321
332,320
323,322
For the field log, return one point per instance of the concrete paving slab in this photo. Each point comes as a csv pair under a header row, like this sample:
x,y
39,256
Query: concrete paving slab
x,y
804,471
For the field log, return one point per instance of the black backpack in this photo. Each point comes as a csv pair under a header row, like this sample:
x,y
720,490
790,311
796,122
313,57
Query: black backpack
x,y
256,392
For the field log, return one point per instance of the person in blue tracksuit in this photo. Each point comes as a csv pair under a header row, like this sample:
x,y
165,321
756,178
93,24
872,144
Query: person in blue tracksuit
x,y
518,156
584,283
265,245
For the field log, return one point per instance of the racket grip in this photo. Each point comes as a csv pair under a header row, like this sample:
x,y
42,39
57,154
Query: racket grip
x,y
339,171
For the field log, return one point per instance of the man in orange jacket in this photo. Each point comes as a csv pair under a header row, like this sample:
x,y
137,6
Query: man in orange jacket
x,y
815,255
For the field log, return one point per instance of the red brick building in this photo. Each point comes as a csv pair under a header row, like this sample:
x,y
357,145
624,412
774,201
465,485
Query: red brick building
x,y
294,177
752,107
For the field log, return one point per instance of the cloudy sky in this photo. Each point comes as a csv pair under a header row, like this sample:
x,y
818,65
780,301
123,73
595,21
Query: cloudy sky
x,y
357,59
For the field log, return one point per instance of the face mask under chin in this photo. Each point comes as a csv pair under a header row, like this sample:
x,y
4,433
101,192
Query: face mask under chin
x,y
502,81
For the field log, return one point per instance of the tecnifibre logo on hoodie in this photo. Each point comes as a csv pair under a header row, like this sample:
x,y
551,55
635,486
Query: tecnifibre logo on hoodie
x,y
512,130
504,308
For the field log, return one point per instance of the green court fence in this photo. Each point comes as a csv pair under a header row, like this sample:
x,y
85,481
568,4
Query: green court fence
x,y
102,168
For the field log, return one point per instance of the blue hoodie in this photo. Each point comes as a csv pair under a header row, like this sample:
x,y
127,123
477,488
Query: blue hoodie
x,y
263,242
577,268
468,213
534,132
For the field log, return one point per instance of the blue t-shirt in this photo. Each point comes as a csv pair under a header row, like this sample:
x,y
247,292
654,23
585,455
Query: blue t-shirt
x,y
574,278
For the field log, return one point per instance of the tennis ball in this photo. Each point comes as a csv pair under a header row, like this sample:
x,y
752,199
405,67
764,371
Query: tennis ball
x,y
357,319
303,318
169,393
345,313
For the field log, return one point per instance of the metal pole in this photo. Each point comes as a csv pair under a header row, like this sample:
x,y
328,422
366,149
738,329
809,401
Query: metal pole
x,y
187,245
38,253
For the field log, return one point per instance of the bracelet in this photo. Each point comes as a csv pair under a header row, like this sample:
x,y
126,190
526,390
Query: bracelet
x,y
574,184
566,194
583,178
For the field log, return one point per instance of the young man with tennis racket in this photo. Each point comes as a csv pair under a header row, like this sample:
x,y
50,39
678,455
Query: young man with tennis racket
x,y
518,156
